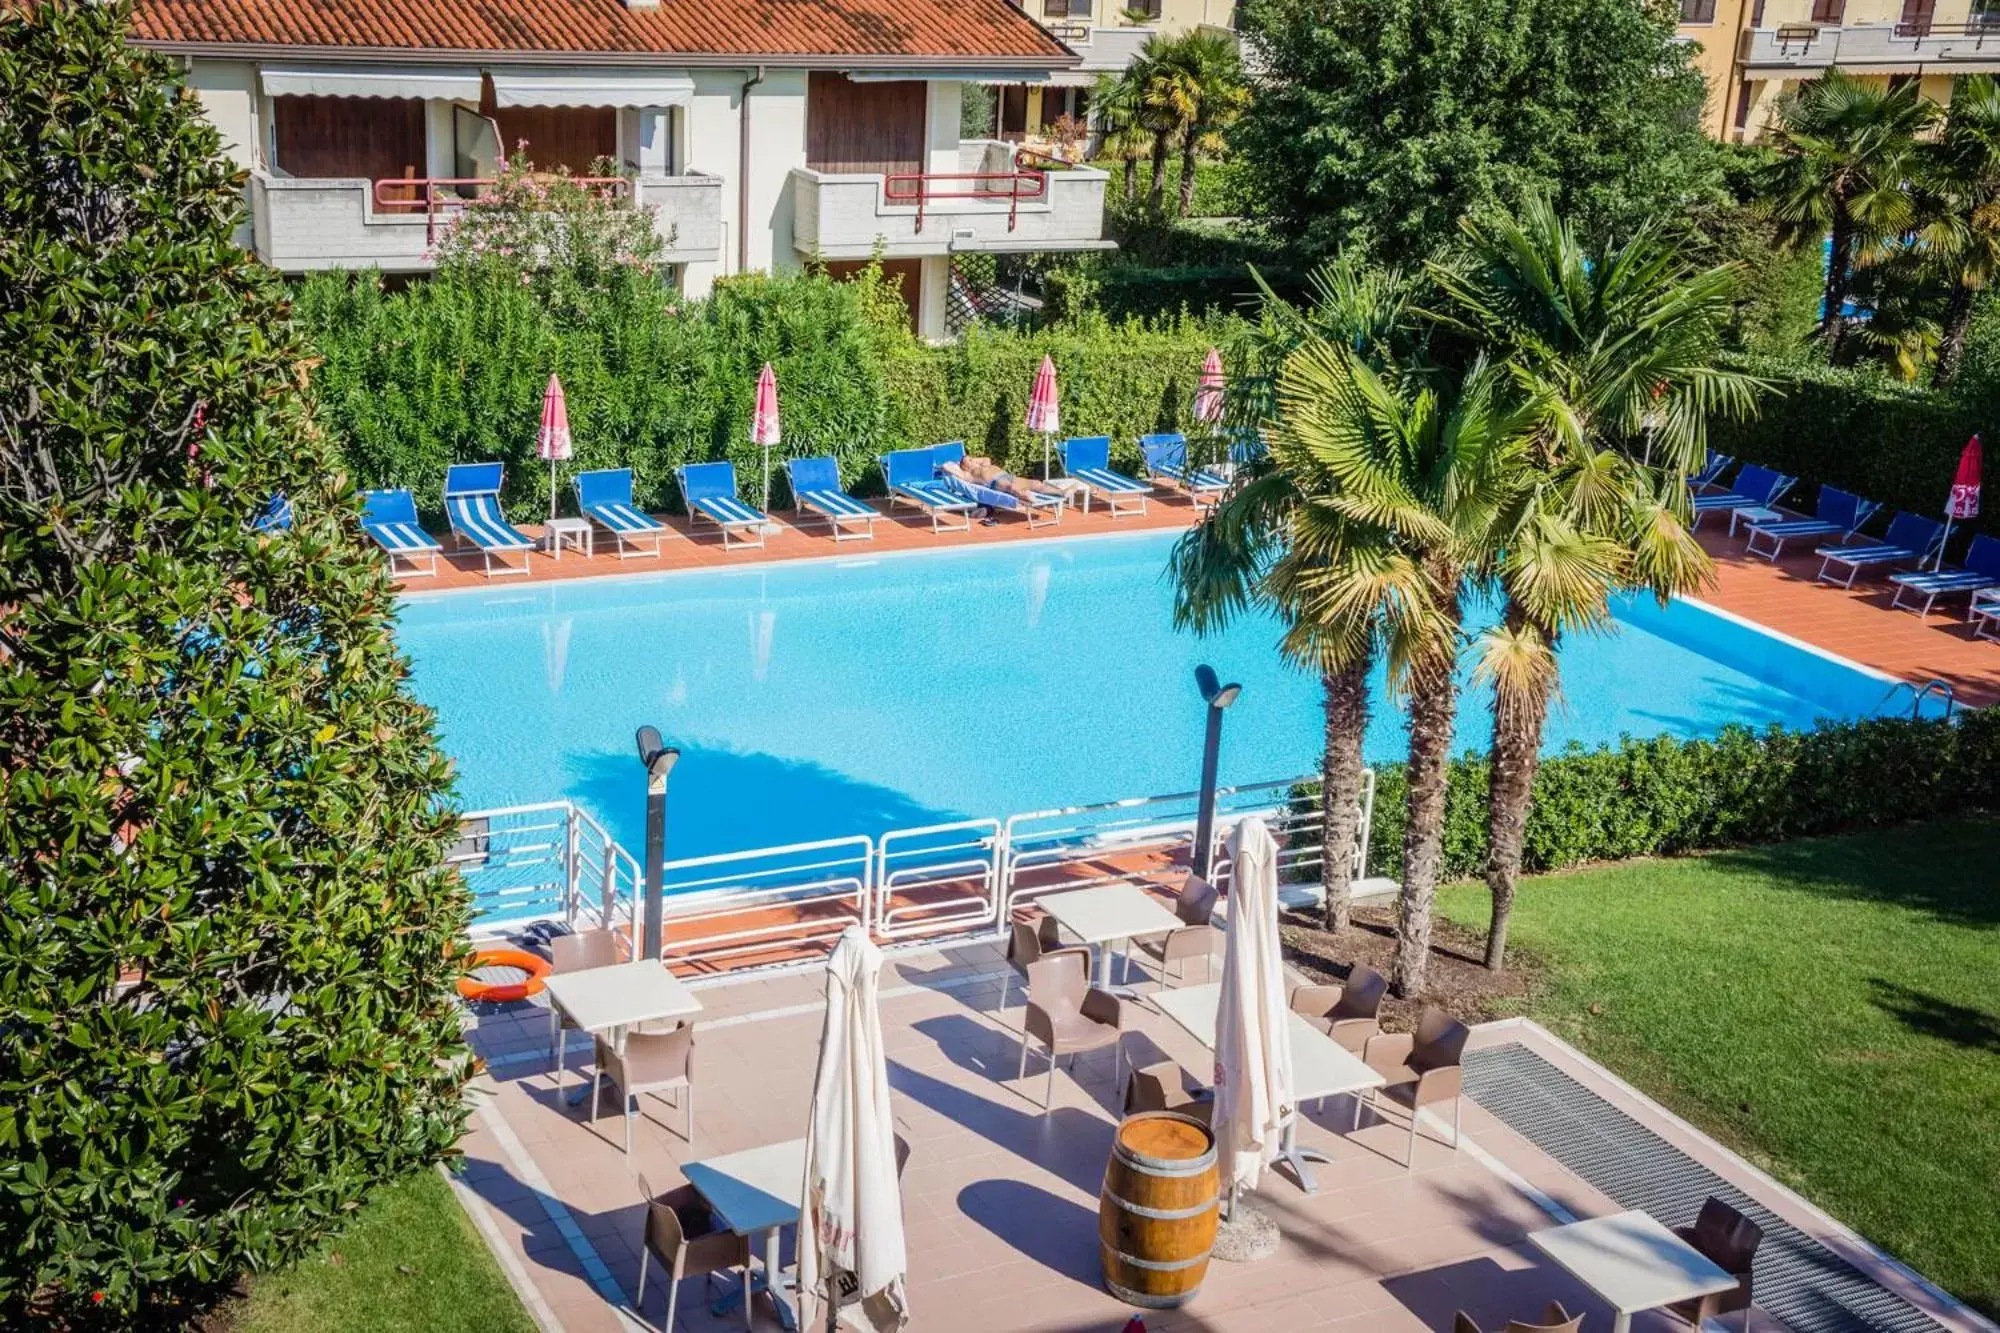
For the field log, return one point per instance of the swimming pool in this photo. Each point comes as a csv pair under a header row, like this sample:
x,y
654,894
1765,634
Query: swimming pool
x,y
828,697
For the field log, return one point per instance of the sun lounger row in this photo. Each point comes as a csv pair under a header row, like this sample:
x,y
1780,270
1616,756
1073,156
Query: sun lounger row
x,y
1911,540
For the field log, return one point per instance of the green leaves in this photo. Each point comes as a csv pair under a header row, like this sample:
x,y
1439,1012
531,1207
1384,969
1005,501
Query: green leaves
x,y
225,999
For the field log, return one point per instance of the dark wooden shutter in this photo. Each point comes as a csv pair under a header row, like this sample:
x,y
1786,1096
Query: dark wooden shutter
x,y
873,128
344,137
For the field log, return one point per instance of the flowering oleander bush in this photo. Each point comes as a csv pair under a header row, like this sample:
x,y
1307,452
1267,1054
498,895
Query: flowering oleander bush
x,y
226,1000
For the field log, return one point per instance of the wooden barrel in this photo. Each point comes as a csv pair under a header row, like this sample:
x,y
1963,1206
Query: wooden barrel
x,y
1156,1219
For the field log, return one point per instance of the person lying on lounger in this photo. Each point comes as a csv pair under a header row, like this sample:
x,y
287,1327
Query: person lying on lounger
x,y
985,472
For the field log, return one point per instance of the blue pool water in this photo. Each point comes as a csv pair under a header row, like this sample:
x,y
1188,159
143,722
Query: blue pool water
x,y
839,696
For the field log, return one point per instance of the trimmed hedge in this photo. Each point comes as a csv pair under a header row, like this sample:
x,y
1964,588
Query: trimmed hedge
x,y
1665,797
453,370
1863,432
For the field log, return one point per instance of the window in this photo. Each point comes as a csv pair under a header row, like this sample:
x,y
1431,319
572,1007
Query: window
x,y
1697,11
1742,107
1757,15
1060,9
1828,11
1149,8
1917,16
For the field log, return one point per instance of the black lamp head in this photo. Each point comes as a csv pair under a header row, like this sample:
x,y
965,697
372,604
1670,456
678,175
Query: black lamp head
x,y
654,752
1213,692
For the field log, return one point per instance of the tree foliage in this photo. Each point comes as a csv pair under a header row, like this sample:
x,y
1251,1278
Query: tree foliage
x,y
1379,123
226,1001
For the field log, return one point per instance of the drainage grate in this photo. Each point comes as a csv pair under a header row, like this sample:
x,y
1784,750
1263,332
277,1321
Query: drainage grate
x,y
1810,1288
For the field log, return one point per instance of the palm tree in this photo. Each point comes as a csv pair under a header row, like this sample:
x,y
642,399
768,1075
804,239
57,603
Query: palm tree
x,y
1202,90
1618,351
1845,149
1115,104
1166,99
1962,237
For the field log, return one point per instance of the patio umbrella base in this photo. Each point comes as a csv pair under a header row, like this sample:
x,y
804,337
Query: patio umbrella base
x,y
1245,1236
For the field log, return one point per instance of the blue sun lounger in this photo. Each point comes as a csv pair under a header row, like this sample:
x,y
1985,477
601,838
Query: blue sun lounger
x,y
1044,509
274,517
1980,572
1716,465
1167,463
1839,514
472,503
390,520
1911,540
1087,458
1755,487
605,498
911,477
816,486
710,492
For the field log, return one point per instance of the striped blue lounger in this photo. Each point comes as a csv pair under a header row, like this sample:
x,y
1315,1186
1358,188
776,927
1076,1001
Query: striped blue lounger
x,y
1088,459
1980,572
1044,509
1755,487
605,498
390,520
1716,465
911,477
1167,462
1839,514
472,503
710,492
1911,540
816,486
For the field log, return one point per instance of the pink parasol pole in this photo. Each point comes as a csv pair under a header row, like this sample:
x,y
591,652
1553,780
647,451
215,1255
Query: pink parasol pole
x,y
553,443
1964,501
764,429
1045,408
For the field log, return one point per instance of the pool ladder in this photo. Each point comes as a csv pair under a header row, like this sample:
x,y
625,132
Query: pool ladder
x,y
1919,693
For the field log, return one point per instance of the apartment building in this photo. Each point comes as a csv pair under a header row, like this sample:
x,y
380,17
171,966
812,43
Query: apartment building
x,y
761,133
1106,36
1752,50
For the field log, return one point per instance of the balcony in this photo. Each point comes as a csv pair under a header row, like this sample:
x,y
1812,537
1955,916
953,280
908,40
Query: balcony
x,y
304,223
998,200
1805,49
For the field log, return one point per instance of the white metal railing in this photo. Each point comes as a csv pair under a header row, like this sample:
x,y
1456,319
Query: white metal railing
x,y
963,877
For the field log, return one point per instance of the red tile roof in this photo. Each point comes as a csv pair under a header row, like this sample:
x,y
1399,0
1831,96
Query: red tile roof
x,y
976,32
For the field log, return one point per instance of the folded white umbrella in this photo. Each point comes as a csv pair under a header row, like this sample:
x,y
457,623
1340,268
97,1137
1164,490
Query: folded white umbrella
x,y
1253,1054
851,1223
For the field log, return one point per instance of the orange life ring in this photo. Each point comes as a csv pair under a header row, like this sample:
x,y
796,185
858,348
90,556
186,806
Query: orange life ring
x,y
497,992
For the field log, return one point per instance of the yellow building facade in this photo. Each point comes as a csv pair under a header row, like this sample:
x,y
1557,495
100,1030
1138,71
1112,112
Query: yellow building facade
x,y
1750,51
1108,35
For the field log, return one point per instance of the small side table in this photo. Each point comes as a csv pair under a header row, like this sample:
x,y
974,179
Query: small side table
x,y
571,532
1753,516
1073,492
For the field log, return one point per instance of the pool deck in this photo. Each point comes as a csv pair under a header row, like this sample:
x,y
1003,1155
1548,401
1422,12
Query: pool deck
x,y
1857,624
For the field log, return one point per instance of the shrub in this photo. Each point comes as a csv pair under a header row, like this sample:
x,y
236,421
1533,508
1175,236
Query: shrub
x,y
226,1002
1664,797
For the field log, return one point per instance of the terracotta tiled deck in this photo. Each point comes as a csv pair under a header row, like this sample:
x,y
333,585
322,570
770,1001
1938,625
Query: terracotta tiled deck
x,y
1856,623
1000,1199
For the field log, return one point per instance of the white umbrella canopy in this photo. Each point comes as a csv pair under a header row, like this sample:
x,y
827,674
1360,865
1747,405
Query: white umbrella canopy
x,y
852,1218
1253,1055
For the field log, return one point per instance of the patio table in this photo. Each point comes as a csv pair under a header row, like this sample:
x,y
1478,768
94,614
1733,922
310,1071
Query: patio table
x,y
1108,914
612,999
1321,1066
1632,1262
757,1190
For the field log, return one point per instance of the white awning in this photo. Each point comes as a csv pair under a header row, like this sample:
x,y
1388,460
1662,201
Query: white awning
x,y
444,83
576,87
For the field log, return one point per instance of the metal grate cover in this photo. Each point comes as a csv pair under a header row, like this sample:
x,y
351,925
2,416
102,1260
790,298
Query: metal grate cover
x,y
1810,1288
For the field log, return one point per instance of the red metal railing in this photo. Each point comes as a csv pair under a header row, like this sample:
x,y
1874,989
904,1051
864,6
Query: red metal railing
x,y
921,187
442,195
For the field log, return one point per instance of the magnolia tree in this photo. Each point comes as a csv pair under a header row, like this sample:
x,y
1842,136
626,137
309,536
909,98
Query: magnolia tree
x,y
226,973
572,238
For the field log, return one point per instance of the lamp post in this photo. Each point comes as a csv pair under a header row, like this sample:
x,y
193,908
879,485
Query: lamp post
x,y
659,759
1218,697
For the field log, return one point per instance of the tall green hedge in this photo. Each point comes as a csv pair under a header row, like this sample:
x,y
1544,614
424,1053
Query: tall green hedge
x,y
453,370
1663,797
1859,430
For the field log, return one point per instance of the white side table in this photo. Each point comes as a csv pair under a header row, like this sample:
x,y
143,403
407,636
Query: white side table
x,y
572,532
1074,493
1753,516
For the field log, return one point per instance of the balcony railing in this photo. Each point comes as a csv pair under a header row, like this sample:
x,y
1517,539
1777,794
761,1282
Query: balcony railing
x,y
446,196
1979,29
925,188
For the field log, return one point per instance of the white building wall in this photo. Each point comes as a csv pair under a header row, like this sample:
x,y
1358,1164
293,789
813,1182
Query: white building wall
x,y
229,96
941,117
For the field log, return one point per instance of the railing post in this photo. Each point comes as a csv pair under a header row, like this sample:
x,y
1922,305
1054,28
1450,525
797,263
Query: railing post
x,y
571,864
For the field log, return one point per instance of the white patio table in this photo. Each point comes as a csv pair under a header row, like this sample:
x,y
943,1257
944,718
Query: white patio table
x,y
1631,1261
612,999
1321,1066
755,1191
1108,914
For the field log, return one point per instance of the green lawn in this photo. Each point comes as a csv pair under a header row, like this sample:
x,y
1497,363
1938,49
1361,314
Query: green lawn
x,y
1829,1008
410,1263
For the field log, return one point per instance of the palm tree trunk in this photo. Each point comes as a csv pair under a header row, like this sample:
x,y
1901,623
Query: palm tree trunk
x,y
1834,298
1131,178
1433,708
1156,191
1517,745
1188,143
1346,704
1951,348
